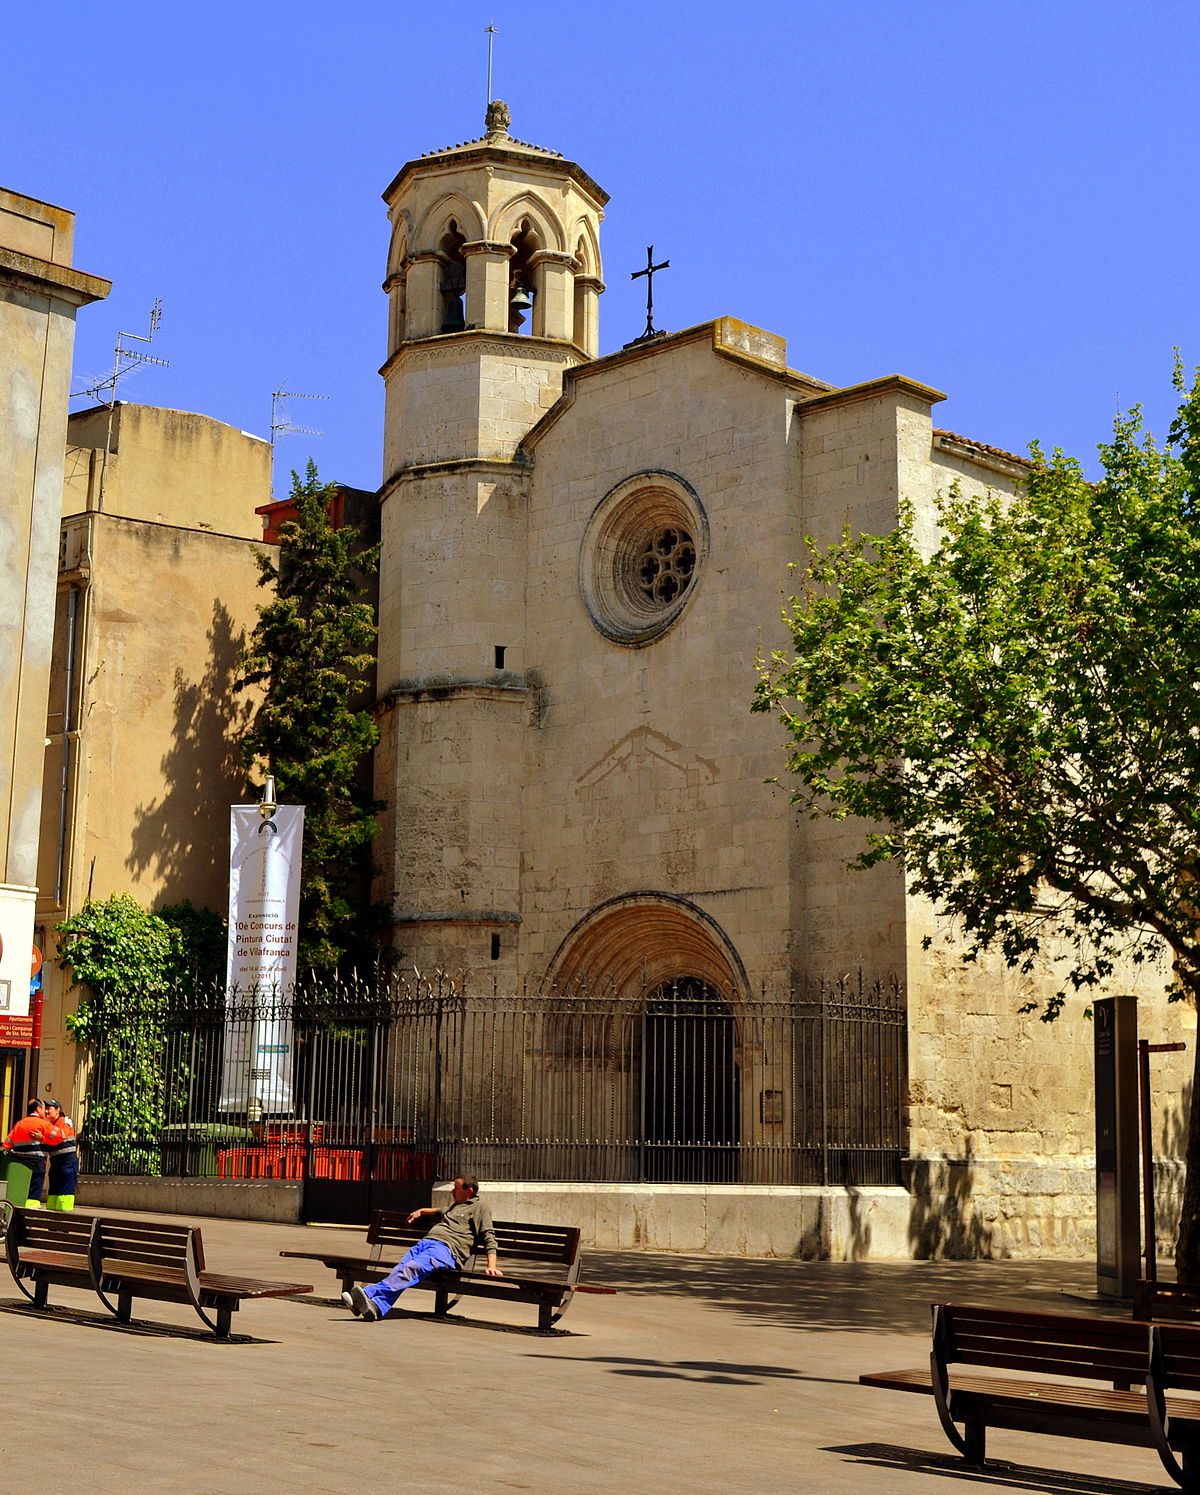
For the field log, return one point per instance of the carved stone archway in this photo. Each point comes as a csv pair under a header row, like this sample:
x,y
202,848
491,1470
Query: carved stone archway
x,y
681,978
636,943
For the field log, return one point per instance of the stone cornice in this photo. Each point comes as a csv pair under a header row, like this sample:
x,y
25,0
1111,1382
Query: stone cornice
x,y
442,345
418,470
488,246
459,916
44,278
483,155
553,257
981,455
505,686
873,389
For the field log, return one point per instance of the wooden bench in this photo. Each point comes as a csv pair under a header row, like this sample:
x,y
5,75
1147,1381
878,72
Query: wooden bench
x,y
1121,1352
556,1247
128,1259
1166,1300
45,1248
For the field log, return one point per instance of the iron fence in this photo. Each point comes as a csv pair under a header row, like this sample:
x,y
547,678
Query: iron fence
x,y
407,1080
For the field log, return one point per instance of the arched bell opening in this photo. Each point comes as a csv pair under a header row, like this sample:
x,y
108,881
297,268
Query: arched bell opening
x,y
523,279
453,286
585,290
397,311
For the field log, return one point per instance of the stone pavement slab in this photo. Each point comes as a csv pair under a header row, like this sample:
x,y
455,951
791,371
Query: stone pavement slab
x,y
705,1374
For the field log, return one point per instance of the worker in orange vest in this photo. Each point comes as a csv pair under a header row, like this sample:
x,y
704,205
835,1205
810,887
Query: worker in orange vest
x,y
63,1157
26,1144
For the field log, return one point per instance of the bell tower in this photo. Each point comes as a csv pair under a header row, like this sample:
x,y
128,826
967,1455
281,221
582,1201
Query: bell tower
x,y
493,286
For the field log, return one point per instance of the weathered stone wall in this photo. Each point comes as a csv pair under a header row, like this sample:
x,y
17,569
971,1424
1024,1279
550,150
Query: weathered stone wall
x,y
1002,1111
39,296
645,768
142,763
167,466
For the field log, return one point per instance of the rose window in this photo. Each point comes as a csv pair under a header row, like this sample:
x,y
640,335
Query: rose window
x,y
642,556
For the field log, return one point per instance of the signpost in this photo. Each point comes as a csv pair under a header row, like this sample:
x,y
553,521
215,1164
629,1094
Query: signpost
x,y
1117,1202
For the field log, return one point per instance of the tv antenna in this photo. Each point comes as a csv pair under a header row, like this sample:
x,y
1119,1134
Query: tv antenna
x,y
125,359
280,424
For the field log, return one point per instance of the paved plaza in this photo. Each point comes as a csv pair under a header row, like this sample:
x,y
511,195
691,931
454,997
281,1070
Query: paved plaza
x,y
705,1374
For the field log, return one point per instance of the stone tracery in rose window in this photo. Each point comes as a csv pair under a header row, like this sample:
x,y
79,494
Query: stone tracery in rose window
x,y
666,564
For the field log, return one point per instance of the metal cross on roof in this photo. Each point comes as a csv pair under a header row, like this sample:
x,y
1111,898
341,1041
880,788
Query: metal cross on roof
x,y
649,273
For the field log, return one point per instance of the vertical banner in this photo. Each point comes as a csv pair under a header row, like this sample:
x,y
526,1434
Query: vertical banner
x,y
264,906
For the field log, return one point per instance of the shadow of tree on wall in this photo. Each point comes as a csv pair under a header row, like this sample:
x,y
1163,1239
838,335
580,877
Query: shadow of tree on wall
x,y
943,1221
181,839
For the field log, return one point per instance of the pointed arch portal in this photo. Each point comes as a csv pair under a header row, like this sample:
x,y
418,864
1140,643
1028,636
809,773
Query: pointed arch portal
x,y
688,974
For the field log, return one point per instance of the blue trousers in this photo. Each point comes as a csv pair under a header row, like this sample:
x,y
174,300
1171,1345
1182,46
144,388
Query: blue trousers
x,y
425,1257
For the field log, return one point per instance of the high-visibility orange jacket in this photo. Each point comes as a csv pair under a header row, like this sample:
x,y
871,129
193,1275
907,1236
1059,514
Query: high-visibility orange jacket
x,y
27,1140
60,1138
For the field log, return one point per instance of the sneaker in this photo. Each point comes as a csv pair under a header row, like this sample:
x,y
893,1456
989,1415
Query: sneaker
x,y
361,1305
348,1300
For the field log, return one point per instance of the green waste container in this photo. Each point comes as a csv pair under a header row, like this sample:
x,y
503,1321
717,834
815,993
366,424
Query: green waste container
x,y
191,1151
16,1178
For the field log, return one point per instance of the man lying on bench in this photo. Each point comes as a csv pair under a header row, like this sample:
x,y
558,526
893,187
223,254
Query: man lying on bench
x,y
460,1231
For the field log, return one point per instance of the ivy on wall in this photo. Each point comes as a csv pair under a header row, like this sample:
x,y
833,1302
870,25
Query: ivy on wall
x,y
128,962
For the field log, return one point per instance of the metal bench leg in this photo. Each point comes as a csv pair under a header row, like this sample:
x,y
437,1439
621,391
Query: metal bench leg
x,y
975,1439
224,1316
124,1305
441,1300
41,1292
546,1315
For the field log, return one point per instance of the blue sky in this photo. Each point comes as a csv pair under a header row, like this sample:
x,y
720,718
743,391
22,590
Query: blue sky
x,y
999,199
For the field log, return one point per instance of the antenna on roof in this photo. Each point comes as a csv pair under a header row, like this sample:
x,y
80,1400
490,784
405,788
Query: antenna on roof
x,y
490,32
124,360
281,425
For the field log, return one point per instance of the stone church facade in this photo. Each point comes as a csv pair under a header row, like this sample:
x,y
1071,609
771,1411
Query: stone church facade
x,y
582,558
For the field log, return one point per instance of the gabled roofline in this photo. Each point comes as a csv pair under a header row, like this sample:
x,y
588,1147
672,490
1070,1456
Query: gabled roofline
x,y
750,347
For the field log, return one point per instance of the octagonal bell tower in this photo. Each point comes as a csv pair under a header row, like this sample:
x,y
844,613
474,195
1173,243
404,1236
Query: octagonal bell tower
x,y
493,283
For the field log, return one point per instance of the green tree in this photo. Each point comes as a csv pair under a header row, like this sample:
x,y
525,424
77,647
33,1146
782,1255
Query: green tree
x,y
310,653
1018,713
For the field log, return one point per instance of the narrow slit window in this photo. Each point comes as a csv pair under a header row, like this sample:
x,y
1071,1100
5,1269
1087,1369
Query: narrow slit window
x,y
500,648
495,947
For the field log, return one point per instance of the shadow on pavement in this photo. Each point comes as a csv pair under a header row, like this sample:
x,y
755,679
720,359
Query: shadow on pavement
x,y
859,1297
138,1327
715,1372
995,1474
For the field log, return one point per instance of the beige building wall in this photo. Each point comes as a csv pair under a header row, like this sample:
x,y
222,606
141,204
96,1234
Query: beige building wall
x,y
143,728
39,296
